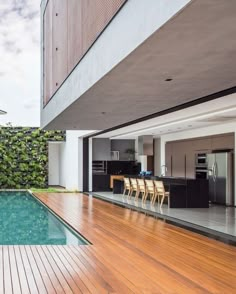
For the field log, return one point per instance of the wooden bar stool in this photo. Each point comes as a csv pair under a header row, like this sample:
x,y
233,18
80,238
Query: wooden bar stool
x,y
141,188
160,191
127,187
134,187
150,190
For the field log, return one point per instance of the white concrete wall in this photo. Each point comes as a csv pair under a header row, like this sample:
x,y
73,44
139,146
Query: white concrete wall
x,y
53,164
139,19
140,158
157,157
71,161
62,159
90,164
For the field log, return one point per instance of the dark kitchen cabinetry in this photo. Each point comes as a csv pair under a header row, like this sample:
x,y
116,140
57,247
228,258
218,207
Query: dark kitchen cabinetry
x,y
118,167
101,183
102,170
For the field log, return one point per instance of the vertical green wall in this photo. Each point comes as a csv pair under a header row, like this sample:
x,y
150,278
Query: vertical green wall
x,y
24,156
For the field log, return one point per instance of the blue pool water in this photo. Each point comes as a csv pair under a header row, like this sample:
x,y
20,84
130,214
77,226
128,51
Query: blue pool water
x,y
25,221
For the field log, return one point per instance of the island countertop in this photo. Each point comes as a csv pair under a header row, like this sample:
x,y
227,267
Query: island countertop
x,y
184,192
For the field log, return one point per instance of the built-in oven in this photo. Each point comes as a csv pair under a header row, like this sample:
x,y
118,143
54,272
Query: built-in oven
x,y
201,172
201,159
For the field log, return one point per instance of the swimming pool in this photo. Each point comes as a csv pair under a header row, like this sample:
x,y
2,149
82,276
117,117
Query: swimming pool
x,y
25,221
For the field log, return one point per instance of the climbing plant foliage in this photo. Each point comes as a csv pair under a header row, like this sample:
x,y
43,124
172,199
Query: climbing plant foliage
x,y
24,156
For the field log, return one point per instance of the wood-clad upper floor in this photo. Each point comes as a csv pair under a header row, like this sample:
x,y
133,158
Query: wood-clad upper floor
x,y
70,27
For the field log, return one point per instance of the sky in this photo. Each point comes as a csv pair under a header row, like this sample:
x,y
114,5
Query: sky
x,y
20,62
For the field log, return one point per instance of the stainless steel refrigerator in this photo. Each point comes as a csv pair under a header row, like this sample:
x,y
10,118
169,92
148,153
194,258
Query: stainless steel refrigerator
x,y
220,176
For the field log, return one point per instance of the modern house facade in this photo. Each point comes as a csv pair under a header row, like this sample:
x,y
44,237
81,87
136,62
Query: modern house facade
x,y
129,69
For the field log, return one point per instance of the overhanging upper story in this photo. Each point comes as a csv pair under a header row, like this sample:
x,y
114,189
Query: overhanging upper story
x,y
105,63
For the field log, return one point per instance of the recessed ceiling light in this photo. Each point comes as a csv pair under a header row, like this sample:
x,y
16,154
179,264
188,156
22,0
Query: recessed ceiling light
x,y
168,80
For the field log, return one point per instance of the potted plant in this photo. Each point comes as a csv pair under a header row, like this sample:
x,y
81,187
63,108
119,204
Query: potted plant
x,y
131,153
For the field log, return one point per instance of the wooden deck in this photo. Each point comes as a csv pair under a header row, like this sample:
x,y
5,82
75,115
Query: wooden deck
x,y
131,253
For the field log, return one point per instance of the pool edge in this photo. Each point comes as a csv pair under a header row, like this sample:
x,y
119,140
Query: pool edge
x,y
67,224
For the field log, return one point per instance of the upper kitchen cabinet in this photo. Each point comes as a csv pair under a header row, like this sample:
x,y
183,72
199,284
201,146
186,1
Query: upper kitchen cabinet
x,y
202,145
225,141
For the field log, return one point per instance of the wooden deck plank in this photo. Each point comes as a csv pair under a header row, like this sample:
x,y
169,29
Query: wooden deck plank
x,y
75,272
48,268
90,269
117,281
7,271
46,279
81,271
75,287
35,270
21,271
1,270
14,271
130,253
28,271
57,271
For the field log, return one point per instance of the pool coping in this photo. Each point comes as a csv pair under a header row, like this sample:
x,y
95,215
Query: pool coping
x,y
212,234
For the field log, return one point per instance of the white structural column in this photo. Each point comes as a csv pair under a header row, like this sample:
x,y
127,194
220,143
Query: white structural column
x,y
70,160
234,167
140,158
157,157
53,163
90,164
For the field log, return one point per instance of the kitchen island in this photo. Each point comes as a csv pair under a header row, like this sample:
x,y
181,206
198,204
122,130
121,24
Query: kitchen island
x,y
184,192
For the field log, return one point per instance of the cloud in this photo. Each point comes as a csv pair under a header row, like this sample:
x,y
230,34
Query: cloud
x,y
20,60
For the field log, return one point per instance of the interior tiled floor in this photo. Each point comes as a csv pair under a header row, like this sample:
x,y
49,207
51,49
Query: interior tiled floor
x,y
218,218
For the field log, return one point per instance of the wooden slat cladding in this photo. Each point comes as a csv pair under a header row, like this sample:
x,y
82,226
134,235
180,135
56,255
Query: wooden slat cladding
x,y
59,42
74,32
47,74
96,14
70,29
